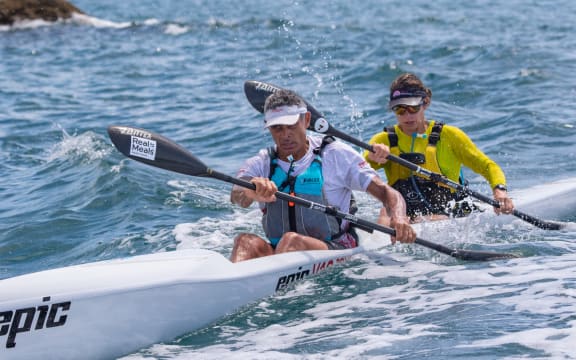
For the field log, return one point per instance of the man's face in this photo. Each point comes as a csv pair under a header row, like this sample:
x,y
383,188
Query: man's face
x,y
291,139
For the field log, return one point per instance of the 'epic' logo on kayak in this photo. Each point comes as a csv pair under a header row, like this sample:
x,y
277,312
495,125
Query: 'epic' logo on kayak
x,y
17,321
284,281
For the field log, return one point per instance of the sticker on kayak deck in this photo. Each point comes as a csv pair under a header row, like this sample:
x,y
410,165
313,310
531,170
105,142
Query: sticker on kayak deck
x,y
143,148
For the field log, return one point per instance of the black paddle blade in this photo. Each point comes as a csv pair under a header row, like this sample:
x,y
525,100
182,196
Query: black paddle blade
x,y
155,150
467,255
470,255
257,92
473,255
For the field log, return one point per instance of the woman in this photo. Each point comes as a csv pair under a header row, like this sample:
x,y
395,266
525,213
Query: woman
x,y
434,146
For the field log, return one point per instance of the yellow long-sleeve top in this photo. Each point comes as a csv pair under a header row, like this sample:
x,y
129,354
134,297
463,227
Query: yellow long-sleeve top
x,y
453,150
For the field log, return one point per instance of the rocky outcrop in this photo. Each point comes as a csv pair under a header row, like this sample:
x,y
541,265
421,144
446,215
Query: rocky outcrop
x,y
47,10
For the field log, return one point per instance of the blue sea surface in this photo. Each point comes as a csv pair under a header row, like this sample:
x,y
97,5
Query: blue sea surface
x,y
503,71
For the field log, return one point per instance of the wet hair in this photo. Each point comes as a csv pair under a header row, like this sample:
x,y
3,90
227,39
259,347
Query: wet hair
x,y
410,82
281,98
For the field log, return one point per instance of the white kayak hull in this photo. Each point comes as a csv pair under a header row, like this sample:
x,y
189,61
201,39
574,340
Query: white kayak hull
x,y
106,309
549,201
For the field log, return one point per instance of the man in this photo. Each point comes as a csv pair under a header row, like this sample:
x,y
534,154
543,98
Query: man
x,y
434,146
313,168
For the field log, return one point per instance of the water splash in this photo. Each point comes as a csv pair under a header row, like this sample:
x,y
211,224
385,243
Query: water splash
x,y
87,147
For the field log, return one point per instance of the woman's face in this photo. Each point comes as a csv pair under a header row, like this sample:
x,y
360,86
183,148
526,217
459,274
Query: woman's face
x,y
411,119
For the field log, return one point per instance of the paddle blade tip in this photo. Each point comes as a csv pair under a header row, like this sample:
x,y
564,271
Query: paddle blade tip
x,y
257,92
483,255
505,257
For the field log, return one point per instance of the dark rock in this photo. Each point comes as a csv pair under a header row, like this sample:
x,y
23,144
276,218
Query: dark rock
x,y
47,10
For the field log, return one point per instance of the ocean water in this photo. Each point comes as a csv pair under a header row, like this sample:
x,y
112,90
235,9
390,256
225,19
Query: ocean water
x,y
505,72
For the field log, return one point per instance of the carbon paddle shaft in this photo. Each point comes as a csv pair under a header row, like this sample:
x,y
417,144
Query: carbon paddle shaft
x,y
257,92
158,151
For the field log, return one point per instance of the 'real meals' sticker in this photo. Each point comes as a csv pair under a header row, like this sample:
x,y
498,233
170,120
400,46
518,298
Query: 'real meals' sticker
x,y
143,148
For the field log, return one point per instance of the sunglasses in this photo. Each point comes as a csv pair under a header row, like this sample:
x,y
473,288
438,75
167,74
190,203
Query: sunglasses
x,y
402,109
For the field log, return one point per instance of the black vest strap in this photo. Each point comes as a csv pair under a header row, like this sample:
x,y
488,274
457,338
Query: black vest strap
x,y
272,155
432,140
435,133
392,137
326,140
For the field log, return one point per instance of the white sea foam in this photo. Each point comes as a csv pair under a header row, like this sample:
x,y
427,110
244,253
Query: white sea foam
x,y
86,146
556,343
26,24
175,29
78,19
96,22
216,233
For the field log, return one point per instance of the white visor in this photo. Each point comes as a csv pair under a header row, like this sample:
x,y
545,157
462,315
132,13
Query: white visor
x,y
410,101
283,115
410,97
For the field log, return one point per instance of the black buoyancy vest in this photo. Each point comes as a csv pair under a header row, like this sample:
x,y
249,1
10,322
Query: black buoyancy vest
x,y
423,196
